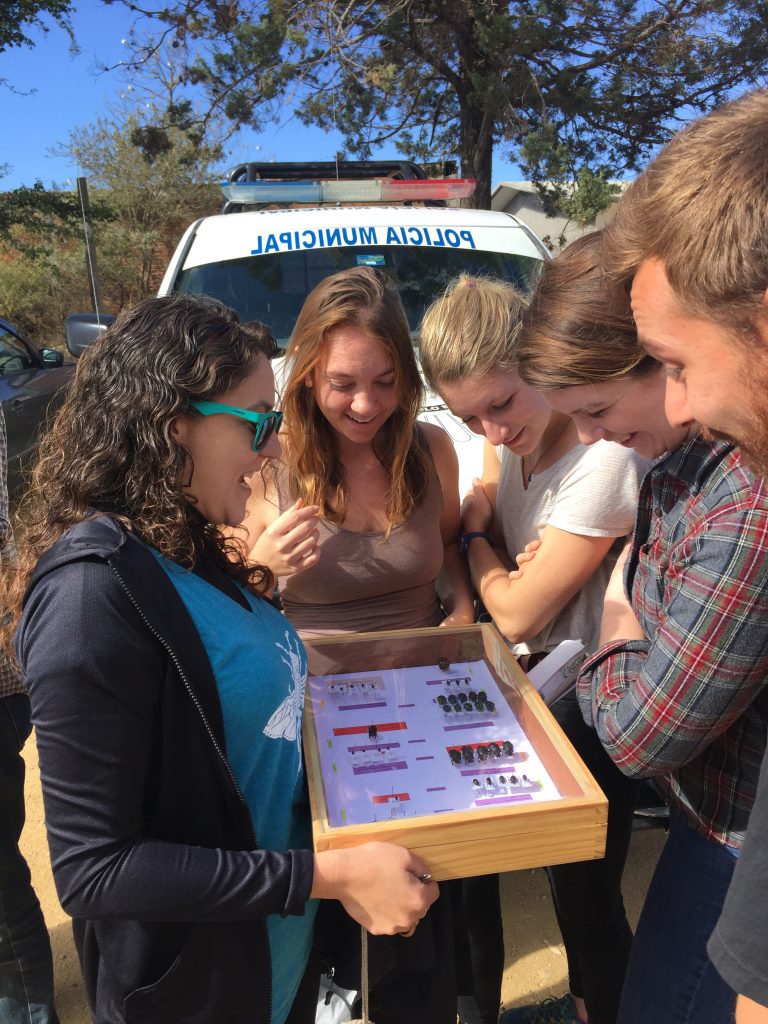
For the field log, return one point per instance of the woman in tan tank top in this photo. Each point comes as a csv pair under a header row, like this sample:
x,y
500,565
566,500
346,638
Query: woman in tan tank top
x,y
360,522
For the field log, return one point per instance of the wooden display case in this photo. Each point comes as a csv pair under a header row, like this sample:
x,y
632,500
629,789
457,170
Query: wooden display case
x,y
563,824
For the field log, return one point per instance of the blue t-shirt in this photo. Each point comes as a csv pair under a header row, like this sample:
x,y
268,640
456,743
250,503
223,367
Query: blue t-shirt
x,y
260,668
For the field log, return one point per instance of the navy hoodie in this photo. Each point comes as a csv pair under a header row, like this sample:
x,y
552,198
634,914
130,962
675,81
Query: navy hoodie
x,y
152,846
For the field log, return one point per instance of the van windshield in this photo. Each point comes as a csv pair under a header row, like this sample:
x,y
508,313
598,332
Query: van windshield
x,y
272,288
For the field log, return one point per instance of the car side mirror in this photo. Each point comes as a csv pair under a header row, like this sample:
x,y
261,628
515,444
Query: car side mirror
x,y
51,357
82,329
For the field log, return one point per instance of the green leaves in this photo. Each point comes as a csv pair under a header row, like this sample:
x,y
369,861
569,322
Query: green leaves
x,y
40,211
18,16
587,86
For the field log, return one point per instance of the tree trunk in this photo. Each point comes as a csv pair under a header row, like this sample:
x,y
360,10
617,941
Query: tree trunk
x,y
477,155
477,159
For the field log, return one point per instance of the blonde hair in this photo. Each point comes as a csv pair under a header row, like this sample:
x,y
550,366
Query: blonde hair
x,y
701,207
578,328
471,331
366,299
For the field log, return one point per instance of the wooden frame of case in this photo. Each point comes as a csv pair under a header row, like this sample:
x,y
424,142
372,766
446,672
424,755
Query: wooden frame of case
x,y
483,840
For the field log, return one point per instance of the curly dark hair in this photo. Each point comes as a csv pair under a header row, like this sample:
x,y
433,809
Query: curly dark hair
x,y
110,449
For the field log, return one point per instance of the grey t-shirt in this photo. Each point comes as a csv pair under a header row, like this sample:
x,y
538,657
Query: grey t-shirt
x,y
738,947
591,491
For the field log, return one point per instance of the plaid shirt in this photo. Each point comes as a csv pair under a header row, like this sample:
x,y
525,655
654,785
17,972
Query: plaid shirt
x,y
690,704
10,680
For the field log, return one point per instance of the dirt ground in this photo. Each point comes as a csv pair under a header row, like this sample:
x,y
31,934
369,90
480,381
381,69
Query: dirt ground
x,y
535,960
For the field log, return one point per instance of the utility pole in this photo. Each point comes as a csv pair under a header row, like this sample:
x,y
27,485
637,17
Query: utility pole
x,y
91,266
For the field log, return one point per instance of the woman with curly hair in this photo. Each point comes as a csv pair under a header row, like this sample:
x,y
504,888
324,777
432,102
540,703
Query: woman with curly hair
x,y
167,691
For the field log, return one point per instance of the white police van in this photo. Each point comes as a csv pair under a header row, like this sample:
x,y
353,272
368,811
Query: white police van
x,y
264,262
287,226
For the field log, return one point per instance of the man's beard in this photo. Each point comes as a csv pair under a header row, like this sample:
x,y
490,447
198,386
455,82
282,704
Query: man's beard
x,y
754,440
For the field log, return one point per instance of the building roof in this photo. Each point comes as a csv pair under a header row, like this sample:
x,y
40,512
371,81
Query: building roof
x,y
506,191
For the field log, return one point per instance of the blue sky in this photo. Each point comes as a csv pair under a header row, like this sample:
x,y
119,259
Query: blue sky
x,y
58,91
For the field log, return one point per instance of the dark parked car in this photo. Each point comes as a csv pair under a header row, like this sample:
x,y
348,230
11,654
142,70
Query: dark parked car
x,y
31,383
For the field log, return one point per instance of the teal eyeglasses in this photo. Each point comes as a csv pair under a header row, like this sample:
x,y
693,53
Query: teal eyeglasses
x,y
266,423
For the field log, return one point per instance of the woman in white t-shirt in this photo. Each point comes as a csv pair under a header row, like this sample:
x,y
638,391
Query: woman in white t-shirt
x,y
581,505
539,484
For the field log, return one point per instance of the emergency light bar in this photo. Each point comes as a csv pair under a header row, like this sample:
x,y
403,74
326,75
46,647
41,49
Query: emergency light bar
x,y
374,190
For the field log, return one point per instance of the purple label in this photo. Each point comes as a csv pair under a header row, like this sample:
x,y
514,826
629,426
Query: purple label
x,y
516,799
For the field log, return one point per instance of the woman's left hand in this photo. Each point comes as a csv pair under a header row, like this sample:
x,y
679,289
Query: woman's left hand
x,y
290,543
524,557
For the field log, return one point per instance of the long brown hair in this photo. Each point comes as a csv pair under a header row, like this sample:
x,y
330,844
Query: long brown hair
x,y
578,328
368,300
110,449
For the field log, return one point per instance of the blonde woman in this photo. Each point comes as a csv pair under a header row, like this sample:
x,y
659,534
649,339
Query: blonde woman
x,y
539,484
360,523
